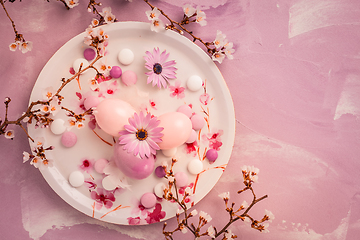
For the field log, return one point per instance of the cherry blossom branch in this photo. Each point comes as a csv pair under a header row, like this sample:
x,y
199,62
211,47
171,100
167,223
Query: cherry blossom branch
x,y
249,175
217,49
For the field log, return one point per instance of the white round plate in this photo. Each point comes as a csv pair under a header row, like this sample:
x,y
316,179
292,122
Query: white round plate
x,y
218,110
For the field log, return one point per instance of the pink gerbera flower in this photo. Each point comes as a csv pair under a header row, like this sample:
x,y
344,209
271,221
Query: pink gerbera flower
x,y
160,69
142,135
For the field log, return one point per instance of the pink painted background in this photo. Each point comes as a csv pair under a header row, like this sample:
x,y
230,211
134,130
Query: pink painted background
x,y
295,82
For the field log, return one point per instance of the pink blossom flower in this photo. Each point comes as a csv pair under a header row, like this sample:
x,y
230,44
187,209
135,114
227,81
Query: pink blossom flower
x,y
87,165
103,198
160,69
214,139
108,89
205,98
152,104
156,215
142,135
177,90
191,147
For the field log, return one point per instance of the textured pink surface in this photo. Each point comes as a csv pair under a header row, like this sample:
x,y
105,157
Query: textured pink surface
x,y
295,82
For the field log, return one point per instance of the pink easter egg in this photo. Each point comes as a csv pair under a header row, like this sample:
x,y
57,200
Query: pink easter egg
x,y
115,72
133,166
89,54
181,179
100,164
177,129
112,114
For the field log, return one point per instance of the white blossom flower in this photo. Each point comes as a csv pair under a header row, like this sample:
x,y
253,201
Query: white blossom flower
x,y
72,3
184,230
153,14
211,231
9,134
189,10
229,50
251,171
200,17
13,46
225,195
48,93
266,226
38,142
109,18
206,217
94,22
270,215
105,10
46,163
219,41
36,161
244,204
228,234
157,25
218,56
26,156
171,179
194,212
25,46
188,191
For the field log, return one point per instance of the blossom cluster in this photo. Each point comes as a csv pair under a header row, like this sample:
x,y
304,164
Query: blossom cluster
x,y
21,44
37,156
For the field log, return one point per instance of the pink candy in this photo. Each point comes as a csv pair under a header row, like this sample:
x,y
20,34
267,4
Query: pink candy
x,y
129,78
89,54
115,72
185,109
211,155
68,139
197,121
148,200
100,164
181,179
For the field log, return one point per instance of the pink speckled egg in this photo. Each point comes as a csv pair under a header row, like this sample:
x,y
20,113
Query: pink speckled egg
x,y
112,114
133,166
177,129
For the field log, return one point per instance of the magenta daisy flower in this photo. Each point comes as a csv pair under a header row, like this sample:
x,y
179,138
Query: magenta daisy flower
x,y
160,69
142,135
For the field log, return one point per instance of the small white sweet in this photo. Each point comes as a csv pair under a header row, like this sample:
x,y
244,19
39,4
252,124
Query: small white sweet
x,y
76,179
108,184
194,83
58,127
169,152
126,56
78,62
159,189
195,166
